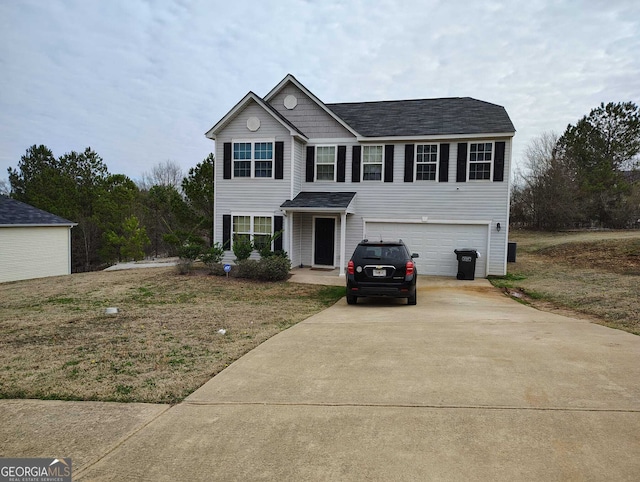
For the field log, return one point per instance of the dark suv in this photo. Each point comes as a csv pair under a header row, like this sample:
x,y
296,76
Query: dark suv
x,y
381,268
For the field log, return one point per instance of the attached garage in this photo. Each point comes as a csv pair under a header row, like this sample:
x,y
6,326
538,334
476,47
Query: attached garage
x,y
435,242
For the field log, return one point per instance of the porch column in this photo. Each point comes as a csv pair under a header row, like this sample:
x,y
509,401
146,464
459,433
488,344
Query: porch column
x,y
343,236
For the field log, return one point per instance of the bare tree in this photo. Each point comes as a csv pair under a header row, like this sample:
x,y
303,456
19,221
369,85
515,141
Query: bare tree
x,y
545,195
4,187
166,174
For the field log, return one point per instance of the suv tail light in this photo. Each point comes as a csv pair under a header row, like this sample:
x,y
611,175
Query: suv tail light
x,y
350,268
409,268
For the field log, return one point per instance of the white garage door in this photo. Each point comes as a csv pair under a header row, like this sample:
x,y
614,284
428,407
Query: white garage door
x,y
435,243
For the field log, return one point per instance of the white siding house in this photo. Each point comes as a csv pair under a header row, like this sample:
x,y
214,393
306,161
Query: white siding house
x,y
432,172
33,243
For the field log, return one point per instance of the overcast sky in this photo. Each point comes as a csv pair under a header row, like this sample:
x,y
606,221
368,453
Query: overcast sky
x,y
141,81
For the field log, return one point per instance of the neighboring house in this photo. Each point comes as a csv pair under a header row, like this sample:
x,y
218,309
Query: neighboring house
x,y
33,243
432,172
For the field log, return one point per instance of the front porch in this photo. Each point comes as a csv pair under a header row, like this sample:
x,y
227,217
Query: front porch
x,y
315,228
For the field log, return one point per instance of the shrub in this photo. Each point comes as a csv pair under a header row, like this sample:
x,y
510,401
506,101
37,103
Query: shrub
x,y
188,253
212,256
274,268
242,248
264,247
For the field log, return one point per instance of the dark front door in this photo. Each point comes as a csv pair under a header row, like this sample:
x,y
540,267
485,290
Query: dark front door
x,y
325,230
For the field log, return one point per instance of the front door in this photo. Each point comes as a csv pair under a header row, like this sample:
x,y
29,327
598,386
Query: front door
x,y
324,239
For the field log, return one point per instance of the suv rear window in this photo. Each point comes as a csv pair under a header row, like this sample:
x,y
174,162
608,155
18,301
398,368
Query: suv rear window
x,y
384,253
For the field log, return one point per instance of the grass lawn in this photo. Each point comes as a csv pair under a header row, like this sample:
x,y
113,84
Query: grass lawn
x,y
596,274
56,342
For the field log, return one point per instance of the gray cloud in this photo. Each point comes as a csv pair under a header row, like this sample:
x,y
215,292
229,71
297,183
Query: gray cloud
x,y
141,81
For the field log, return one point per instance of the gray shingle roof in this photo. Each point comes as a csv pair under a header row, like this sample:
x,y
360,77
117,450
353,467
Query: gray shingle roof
x,y
426,117
17,213
326,200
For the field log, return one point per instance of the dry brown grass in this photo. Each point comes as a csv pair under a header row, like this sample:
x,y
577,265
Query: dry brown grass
x,y
56,342
596,274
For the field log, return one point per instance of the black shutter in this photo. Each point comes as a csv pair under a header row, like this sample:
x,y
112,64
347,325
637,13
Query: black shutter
x,y
498,163
408,162
279,169
461,174
388,163
355,164
278,222
226,160
443,175
226,231
311,152
342,163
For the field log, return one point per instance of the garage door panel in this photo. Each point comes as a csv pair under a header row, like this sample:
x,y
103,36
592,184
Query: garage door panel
x,y
435,243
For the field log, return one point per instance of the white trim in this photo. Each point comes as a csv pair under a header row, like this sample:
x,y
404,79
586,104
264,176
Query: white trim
x,y
458,137
343,243
252,216
332,140
236,109
491,163
253,160
426,221
313,239
315,163
415,162
292,163
69,225
382,164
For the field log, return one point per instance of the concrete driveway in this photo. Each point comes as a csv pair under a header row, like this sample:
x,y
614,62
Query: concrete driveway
x,y
467,385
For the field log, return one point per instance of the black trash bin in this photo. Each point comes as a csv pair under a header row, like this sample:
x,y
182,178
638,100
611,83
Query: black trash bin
x,y
466,263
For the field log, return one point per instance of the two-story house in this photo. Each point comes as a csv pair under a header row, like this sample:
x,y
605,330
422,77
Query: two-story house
x,y
432,172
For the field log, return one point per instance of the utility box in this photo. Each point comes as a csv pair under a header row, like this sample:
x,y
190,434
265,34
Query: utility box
x,y
466,263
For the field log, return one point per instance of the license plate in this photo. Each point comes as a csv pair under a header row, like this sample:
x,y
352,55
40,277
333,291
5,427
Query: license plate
x,y
379,272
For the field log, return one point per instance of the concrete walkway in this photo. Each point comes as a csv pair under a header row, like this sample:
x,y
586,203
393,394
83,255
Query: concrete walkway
x,y
467,385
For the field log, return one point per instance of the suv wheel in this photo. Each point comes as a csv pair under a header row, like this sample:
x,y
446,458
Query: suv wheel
x,y
412,300
351,300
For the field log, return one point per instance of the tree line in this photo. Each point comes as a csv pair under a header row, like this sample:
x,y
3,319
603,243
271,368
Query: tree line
x,y
118,220
586,177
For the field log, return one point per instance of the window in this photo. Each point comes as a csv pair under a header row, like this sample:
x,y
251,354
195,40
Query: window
x,y
325,163
426,162
261,231
264,159
372,163
242,159
253,228
242,228
480,157
253,159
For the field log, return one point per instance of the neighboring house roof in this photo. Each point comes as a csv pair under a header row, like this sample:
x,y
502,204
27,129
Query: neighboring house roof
x,y
211,133
329,201
18,214
426,117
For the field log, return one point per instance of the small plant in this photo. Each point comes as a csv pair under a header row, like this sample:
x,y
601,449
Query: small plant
x,y
242,248
264,246
212,256
188,253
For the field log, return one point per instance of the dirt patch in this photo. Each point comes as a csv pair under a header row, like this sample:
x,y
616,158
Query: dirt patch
x,y
618,256
594,274
57,342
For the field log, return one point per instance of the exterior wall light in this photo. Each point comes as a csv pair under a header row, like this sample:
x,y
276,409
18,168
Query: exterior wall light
x,y
498,227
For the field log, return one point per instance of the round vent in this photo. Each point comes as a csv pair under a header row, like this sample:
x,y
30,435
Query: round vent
x,y
253,124
290,102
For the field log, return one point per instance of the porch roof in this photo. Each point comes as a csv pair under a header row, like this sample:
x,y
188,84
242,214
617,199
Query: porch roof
x,y
320,201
